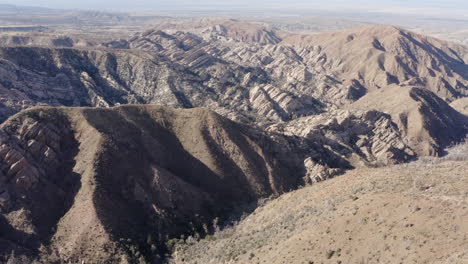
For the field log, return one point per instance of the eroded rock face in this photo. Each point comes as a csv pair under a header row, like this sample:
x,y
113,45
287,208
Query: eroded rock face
x,y
426,121
36,157
31,153
245,80
328,103
316,172
109,177
364,137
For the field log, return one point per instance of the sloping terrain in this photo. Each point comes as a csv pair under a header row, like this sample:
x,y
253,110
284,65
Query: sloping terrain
x,y
129,182
81,77
243,80
428,123
365,138
461,105
119,182
378,56
414,213
231,30
234,30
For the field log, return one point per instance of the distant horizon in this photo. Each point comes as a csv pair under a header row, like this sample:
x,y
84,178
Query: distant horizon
x,y
457,9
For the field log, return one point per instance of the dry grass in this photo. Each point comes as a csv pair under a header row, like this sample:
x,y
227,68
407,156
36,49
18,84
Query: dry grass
x,y
458,152
409,213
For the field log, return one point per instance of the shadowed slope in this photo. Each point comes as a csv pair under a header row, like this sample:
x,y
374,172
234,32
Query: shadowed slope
x,y
137,171
428,122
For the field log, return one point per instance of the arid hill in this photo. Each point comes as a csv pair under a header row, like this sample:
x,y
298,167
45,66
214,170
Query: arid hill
x,y
412,213
244,32
241,80
111,178
378,56
91,170
428,122
221,29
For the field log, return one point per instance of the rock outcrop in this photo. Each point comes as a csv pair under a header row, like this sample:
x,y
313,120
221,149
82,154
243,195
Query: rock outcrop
x,y
362,137
427,122
260,82
110,178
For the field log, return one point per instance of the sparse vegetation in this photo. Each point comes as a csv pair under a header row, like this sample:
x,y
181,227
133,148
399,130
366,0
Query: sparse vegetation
x,y
306,221
125,181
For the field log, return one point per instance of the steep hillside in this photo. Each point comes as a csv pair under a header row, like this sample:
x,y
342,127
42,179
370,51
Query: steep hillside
x,y
378,56
118,183
461,105
36,40
241,80
82,77
303,75
100,77
364,138
428,123
410,214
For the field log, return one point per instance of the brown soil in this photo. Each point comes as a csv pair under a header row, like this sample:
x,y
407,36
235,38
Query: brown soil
x,y
414,213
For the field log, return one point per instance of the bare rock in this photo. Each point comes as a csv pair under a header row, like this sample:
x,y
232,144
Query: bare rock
x,y
362,137
317,172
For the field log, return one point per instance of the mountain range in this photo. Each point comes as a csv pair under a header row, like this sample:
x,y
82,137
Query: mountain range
x,y
130,143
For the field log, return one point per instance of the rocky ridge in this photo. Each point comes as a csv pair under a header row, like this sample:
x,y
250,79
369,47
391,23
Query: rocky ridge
x,y
302,109
101,171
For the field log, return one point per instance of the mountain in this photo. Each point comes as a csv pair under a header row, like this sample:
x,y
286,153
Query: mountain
x,y
254,83
92,170
428,123
378,56
242,80
111,178
243,32
43,40
221,29
82,77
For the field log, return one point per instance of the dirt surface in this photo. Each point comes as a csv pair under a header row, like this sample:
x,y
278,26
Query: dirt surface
x,y
415,213
91,171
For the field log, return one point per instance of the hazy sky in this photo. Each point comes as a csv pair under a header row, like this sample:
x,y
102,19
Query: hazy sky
x,y
430,7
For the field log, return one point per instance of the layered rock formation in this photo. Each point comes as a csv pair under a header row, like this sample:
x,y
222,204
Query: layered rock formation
x,y
428,123
379,56
363,137
110,178
122,181
243,80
